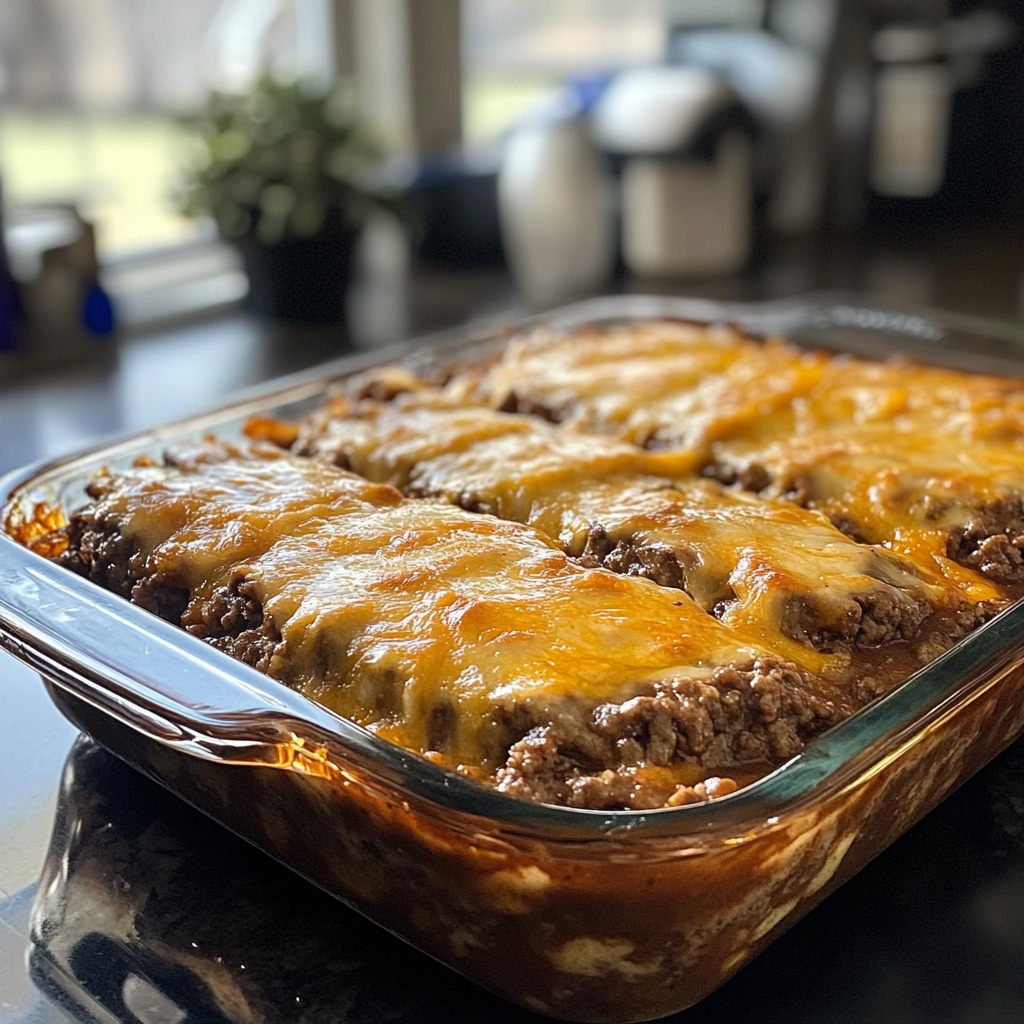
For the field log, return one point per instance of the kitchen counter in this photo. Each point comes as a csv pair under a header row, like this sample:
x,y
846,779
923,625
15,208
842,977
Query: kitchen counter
x,y
146,909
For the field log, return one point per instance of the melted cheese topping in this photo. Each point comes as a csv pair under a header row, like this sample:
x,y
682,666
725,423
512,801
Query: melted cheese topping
x,y
749,560
921,415
397,613
903,455
599,379
760,562
686,385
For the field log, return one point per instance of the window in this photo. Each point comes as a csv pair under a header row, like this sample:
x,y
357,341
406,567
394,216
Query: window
x,y
89,90
516,51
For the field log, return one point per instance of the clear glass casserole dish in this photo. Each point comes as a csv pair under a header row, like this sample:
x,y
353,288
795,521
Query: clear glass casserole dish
x,y
584,915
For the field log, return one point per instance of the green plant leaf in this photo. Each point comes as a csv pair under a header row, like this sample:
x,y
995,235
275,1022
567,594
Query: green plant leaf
x,y
283,159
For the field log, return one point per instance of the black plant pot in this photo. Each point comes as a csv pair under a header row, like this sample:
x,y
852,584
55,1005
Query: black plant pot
x,y
300,279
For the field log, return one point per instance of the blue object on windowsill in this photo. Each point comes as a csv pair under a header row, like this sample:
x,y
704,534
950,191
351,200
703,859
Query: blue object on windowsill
x,y
98,311
10,317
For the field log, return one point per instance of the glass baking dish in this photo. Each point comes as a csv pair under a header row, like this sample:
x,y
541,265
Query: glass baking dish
x,y
582,915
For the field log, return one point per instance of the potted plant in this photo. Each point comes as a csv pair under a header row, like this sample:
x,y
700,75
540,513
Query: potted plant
x,y
282,170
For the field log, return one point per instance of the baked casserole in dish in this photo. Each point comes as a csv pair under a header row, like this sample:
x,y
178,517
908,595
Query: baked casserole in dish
x,y
594,653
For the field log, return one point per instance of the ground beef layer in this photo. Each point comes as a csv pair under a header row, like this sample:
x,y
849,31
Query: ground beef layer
x,y
757,714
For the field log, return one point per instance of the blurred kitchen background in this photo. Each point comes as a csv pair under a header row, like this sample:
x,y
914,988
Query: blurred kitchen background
x,y
490,157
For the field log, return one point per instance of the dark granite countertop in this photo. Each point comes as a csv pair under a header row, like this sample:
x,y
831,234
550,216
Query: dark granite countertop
x,y
145,908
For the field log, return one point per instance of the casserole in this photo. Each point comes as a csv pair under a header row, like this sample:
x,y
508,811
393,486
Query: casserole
x,y
613,916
